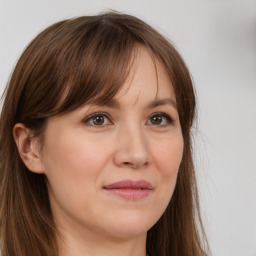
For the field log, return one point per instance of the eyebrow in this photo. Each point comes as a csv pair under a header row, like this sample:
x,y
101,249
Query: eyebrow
x,y
157,102
160,102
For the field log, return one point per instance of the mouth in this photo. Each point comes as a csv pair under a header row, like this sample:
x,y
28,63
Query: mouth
x,y
131,190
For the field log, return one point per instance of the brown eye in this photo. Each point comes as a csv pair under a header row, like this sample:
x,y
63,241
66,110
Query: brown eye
x,y
156,120
160,120
98,120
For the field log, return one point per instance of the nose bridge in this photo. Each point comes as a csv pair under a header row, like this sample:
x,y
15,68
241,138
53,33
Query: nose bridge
x,y
132,147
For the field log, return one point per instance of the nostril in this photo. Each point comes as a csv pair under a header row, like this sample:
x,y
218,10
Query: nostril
x,y
128,164
135,165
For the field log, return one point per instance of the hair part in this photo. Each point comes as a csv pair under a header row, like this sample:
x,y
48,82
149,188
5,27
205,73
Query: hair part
x,y
71,63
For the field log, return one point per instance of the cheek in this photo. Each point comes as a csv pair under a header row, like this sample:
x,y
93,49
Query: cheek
x,y
73,165
168,156
73,154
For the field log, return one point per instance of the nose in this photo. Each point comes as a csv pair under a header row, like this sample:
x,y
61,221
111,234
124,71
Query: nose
x,y
132,149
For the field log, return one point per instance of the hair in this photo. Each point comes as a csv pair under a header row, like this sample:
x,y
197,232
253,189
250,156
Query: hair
x,y
71,63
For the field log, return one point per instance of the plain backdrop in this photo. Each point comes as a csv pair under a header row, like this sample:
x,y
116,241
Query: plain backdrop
x,y
217,39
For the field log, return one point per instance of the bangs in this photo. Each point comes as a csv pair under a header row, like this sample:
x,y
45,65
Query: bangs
x,y
79,61
87,60
97,65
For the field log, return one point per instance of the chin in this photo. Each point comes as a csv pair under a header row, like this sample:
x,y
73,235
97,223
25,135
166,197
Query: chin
x,y
131,226
128,232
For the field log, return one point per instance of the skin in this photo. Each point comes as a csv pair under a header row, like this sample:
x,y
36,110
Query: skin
x,y
81,156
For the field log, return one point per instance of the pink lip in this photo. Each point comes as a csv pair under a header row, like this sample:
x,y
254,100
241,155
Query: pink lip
x,y
129,189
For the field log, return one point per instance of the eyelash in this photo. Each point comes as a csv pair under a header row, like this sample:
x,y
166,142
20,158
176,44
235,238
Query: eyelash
x,y
162,115
94,115
106,115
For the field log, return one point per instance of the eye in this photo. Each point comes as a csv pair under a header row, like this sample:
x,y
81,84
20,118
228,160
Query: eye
x,y
160,119
97,119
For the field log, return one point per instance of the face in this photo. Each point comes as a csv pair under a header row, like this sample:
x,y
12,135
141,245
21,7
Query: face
x,y
112,169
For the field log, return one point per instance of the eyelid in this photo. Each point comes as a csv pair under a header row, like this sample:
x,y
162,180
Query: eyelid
x,y
163,114
95,114
86,120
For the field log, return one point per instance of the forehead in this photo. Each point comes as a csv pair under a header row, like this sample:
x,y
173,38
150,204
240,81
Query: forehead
x,y
144,78
147,80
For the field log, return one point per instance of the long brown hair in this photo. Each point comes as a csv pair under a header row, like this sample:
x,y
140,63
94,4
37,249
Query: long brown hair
x,y
71,63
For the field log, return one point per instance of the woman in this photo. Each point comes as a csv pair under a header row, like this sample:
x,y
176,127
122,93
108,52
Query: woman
x,y
95,144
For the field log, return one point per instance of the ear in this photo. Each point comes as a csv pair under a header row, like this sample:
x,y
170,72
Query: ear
x,y
28,148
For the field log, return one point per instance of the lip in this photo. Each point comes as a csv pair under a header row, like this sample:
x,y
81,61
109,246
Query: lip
x,y
129,189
